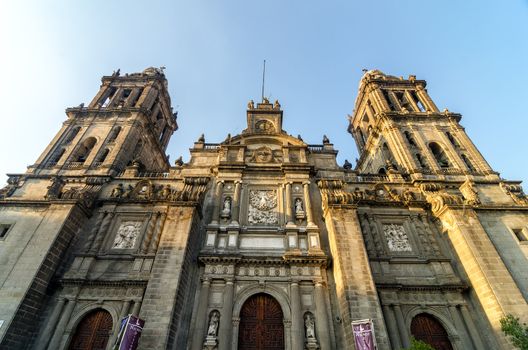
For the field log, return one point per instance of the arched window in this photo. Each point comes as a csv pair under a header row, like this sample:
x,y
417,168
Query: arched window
x,y
72,134
468,162
54,159
452,139
93,332
386,153
426,328
421,160
382,171
102,156
114,133
409,138
84,150
439,155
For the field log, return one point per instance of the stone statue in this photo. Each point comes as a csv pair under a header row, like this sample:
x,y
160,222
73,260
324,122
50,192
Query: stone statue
x,y
128,192
226,211
179,161
55,188
117,192
347,165
298,205
165,192
276,105
251,104
213,324
326,140
201,139
309,324
299,137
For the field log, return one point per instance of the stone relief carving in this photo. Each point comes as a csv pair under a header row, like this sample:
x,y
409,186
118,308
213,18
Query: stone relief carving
x,y
127,235
470,193
261,207
396,238
299,210
12,184
516,193
263,154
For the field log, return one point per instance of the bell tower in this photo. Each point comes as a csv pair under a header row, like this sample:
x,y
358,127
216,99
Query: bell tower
x,y
398,128
129,121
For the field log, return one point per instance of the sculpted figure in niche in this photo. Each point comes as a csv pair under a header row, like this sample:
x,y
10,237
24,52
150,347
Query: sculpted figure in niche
x,y
299,211
226,211
309,324
213,324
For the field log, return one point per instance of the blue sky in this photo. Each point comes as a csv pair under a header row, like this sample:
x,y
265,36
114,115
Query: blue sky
x,y
473,54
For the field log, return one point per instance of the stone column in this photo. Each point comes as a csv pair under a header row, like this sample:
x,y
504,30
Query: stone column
x,y
297,327
137,307
226,318
392,327
157,234
217,202
93,231
201,316
99,238
288,200
44,338
150,230
61,326
307,203
466,342
235,210
402,327
473,332
124,312
321,317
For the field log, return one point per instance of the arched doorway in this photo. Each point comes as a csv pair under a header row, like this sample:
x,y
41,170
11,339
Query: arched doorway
x,y
426,328
92,332
261,324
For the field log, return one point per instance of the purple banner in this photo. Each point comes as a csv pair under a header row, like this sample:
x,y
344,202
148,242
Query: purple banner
x,y
131,328
364,335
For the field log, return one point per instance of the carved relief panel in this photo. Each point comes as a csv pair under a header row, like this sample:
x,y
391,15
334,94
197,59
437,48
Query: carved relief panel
x,y
262,207
396,238
127,235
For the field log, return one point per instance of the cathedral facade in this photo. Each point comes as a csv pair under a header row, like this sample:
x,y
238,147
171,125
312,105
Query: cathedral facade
x,y
261,241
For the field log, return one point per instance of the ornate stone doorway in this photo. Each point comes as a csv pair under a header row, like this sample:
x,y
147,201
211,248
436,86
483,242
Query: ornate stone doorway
x,y
426,328
93,331
261,324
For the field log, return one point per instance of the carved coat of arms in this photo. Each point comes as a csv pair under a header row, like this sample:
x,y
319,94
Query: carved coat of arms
x,y
262,204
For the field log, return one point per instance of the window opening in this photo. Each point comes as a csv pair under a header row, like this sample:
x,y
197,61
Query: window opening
x,y
4,228
416,99
108,98
520,234
439,155
388,99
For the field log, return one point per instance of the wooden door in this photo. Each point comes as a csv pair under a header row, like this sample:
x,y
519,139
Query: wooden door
x,y
92,332
261,324
426,328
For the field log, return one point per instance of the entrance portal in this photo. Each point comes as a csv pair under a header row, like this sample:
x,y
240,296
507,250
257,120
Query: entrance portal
x,y
427,329
93,331
261,324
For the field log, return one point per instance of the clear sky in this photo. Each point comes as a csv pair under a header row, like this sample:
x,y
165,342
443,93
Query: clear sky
x,y
473,54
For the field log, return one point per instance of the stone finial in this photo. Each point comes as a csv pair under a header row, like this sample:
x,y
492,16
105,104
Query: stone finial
x,y
347,165
276,105
265,100
412,78
179,161
116,73
81,105
201,139
326,140
228,139
299,137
